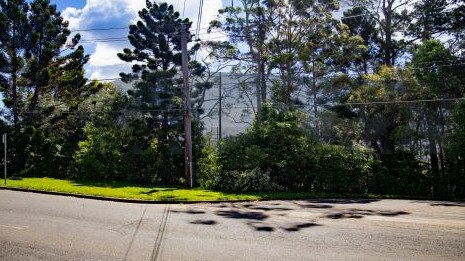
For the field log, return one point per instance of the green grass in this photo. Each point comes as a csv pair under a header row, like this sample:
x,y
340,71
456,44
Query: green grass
x,y
124,190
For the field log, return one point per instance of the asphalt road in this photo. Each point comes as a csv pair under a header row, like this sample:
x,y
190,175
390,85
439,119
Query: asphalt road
x,y
45,227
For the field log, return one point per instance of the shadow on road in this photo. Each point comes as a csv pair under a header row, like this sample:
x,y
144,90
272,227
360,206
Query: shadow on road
x,y
288,216
338,201
204,222
253,215
448,204
360,213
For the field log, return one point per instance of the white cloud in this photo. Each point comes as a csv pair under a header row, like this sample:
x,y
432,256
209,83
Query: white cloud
x,y
105,54
104,62
96,74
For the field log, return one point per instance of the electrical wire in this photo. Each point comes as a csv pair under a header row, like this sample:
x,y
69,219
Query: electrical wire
x,y
248,107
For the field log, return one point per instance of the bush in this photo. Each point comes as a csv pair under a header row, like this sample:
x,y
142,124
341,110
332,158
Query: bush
x,y
279,145
340,169
207,166
100,156
244,181
399,174
282,147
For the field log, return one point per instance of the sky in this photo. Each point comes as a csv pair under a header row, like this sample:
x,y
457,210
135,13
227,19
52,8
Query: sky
x,y
91,14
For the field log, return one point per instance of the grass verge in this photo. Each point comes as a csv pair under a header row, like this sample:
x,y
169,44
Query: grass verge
x,y
121,190
124,190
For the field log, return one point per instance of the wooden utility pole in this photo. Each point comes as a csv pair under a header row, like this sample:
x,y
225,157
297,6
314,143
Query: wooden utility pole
x,y
220,110
5,140
187,109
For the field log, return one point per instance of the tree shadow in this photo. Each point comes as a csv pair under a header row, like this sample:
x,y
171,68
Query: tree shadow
x,y
235,214
298,227
263,208
150,192
204,222
121,184
360,213
448,204
258,226
189,211
305,205
109,184
341,201
273,216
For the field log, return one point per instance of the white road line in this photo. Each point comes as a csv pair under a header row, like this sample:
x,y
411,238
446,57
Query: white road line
x,y
14,227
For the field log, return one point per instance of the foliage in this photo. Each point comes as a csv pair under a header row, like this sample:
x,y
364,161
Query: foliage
x,y
157,95
254,180
400,133
381,121
456,153
458,137
282,147
279,145
399,174
342,169
99,156
207,166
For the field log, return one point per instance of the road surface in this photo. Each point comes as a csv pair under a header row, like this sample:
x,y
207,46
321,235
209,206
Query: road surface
x,y
45,227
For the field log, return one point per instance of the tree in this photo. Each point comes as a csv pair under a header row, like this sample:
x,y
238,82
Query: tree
x,y
55,67
428,18
304,34
43,78
361,24
249,22
14,28
391,17
456,154
438,80
383,122
156,59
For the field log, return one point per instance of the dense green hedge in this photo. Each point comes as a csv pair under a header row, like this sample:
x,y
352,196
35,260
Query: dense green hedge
x,y
281,153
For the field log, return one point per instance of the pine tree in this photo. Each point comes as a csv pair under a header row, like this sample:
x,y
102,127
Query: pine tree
x,y
14,28
42,77
48,74
156,71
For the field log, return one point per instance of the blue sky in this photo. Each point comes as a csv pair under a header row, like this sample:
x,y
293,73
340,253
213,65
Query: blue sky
x,y
62,4
90,14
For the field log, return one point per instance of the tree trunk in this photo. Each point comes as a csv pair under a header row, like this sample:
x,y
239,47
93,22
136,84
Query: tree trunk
x,y
315,93
433,152
14,92
257,57
387,60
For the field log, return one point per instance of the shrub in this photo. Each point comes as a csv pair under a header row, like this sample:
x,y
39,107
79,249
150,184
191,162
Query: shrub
x,y
341,169
279,145
399,173
207,166
244,181
99,157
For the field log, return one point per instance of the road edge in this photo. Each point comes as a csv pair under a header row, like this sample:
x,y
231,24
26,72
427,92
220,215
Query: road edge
x,y
155,202
122,200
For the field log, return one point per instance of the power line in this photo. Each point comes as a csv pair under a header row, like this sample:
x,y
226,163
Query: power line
x,y
199,19
119,38
100,29
253,82
399,101
113,29
248,107
184,9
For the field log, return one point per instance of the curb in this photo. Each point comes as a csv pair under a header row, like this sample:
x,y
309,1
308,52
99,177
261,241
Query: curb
x,y
123,200
185,202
